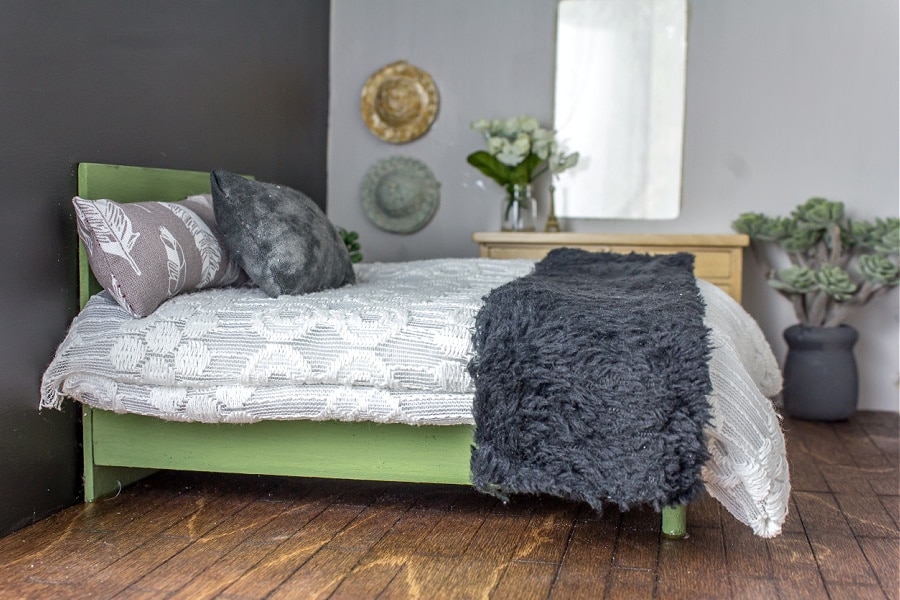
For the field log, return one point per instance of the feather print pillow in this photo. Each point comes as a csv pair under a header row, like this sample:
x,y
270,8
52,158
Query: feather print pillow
x,y
143,253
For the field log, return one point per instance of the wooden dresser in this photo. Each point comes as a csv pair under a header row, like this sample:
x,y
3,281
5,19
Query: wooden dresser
x,y
719,258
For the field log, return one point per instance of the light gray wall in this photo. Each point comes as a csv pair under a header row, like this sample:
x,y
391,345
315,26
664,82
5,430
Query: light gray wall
x,y
487,59
786,99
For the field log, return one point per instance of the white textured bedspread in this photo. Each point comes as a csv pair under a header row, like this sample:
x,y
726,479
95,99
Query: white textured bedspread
x,y
394,347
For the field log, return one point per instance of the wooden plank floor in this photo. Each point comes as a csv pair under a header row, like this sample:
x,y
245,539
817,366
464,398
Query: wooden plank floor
x,y
240,537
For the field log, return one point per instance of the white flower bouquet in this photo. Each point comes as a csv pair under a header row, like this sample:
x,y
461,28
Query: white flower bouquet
x,y
518,151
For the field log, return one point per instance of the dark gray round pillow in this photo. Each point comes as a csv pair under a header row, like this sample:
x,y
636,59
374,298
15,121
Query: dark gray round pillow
x,y
279,236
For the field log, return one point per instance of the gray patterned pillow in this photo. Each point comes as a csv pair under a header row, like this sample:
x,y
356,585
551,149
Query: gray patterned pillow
x,y
279,236
143,253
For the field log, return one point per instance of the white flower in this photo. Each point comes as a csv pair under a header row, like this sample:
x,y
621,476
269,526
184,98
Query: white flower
x,y
482,125
512,153
510,127
528,124
543,143
495,145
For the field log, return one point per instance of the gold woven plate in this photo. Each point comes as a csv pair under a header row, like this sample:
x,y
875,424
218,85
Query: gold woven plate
x,y
399,102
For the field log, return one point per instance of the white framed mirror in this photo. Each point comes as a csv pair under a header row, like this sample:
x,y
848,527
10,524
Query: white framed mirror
x,y
619,102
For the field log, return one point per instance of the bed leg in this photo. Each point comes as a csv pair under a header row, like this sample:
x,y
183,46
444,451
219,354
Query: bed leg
x,y
101,481
674,521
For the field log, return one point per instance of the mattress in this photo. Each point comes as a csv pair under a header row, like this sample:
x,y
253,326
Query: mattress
x,y
392,348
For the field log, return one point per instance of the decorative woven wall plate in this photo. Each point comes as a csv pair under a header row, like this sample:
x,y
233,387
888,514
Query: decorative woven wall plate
x,y
399,102
400,194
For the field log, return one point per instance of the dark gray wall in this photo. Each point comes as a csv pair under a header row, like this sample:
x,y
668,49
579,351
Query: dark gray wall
x,y
238,84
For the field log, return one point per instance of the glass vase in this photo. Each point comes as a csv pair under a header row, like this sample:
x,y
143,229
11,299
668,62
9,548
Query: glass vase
x,y
519,210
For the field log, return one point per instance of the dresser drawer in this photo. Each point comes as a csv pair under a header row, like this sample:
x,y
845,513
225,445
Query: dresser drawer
x,y
708,264
718,258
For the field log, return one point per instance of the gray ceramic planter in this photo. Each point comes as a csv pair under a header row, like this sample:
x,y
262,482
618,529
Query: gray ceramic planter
x,y
821,381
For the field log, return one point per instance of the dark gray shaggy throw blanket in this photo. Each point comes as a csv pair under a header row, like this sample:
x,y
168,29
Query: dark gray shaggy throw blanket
x,y
591,378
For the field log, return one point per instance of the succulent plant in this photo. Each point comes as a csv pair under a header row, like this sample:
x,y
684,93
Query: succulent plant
x,y
836,264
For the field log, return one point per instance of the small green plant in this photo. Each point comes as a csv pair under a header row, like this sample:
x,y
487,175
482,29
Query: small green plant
x,y
836,264
351,240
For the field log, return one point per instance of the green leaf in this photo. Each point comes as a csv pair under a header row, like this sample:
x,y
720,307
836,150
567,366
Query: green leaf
x,y
801,240
350,239
819,213
759,226
794,280
835,282
490,166
878,268
521,173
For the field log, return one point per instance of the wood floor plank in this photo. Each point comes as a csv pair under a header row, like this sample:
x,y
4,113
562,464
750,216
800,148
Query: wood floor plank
x,y
882,428
203,553
746,555
319,576
97,553
590,550
824,444
884,480
567,587
750,588
792,523
704,512
862,448
526,580
363,532
422,577
126,572
820,512
807,585
498,537
291,519
44,554
165,546
848,479
107,514
473,578
693,565
794,568
438,497
791,553
407,535
866,515
276,567
631,584
216,578
883,555
547,534
29,589
368,579
805,473
849,591
638,540
891,505
452,535
841,560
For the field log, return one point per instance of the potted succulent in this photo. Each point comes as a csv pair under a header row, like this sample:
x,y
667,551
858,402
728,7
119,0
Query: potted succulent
x,y
829,266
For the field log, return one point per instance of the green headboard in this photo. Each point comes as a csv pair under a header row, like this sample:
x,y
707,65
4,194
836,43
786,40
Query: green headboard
x,y
130,184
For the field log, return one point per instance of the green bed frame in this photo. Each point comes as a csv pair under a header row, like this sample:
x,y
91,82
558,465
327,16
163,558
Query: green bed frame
x,y
122,448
